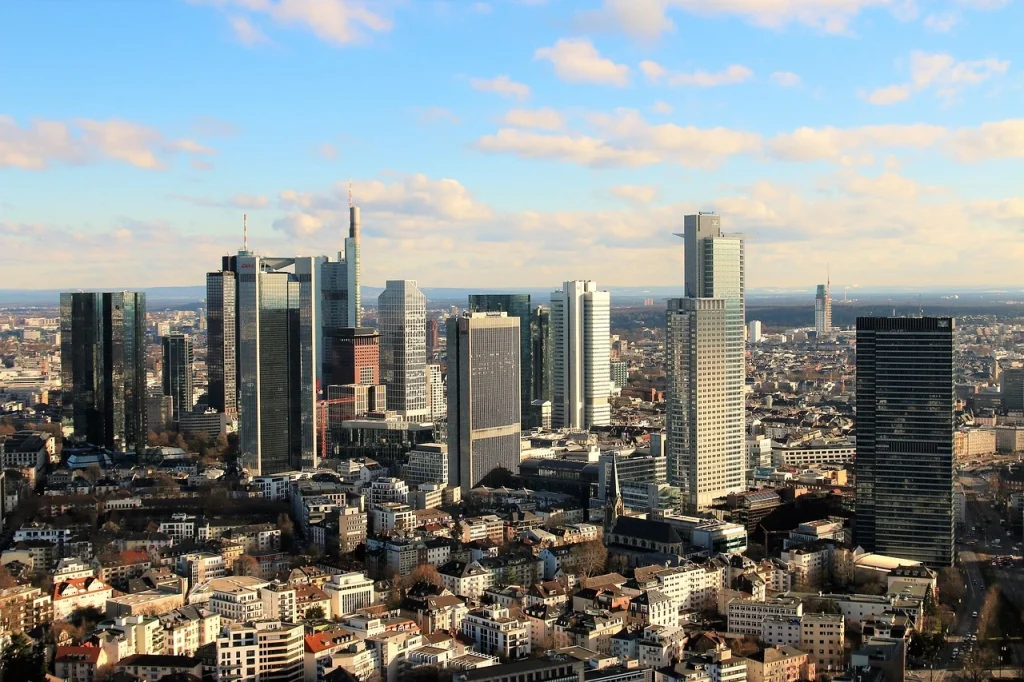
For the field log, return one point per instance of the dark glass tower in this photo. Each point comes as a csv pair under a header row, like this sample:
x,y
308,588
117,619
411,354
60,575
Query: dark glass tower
x,y
905,437
513,305
177,372
103,368
221,324
540,342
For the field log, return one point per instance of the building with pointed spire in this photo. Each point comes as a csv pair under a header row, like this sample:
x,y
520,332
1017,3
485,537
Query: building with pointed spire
x,y
614,506
340,300
823,308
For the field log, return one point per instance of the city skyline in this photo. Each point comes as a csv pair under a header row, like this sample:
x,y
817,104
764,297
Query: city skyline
x,y
571,146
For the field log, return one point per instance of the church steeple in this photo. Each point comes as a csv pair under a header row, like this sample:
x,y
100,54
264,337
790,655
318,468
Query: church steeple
x,y
613,505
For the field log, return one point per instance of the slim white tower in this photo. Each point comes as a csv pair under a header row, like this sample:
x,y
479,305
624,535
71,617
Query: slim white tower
x,y
580,335
706,366
402,316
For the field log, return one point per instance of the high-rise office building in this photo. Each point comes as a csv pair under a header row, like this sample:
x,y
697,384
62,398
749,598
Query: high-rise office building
x,y
483,396
402,318
518,306
580,339
706,366
1011,388
278,358
221,340
437,399
433,338
754,331
822,310
340,300
177,372
103,368
540,352
357,361
905,423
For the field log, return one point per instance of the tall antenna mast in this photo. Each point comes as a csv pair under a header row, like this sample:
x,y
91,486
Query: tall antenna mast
x,y
350,204
245,232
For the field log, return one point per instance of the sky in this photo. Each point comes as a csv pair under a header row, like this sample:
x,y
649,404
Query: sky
x,y
516,143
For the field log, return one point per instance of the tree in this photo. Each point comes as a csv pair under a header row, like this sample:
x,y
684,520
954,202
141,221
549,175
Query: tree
x,y
589,558
287,526
950,585
988,614
424,573
6,579
246,565
86,618
20,661
315,613
816,605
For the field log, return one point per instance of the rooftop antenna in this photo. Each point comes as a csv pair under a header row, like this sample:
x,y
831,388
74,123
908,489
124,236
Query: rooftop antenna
x,y
350,204
245,232
920,307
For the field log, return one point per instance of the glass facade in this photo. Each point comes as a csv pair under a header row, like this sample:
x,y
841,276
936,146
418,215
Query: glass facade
x,y
540,353
402,317
580,350
221,319
177,372
103,368
905,423
513,305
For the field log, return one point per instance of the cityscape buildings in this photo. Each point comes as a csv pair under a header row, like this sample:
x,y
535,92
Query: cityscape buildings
x,y
177,372
103,368
705,366
402,320
356,357
221,339
905,420
341,303
580,329
1011,388
484,419
540,353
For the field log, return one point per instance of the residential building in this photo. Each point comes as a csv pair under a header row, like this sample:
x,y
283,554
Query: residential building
x,y
484,405
79,593
428,463
103,369
580,339
154,667
495,632
260,651
349,592
402,319
905,422
706,366
177,372
553,668
779,664
745,616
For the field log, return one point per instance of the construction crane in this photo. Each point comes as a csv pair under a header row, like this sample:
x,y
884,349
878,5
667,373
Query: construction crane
x,y
324,406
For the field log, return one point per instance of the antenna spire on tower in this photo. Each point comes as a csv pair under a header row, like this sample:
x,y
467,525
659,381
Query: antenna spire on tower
x,y
350,204
245,232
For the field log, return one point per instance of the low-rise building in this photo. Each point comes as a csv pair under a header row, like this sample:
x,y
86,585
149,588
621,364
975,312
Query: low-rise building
x,y
260,651
495,632
746,615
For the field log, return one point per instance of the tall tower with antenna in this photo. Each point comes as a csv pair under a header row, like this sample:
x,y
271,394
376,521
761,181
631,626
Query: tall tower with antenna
x,y
823,307
342,300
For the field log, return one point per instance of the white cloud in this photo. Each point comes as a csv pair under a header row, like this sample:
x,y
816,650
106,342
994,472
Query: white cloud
x,y
437,115
993,140
635,194
501,85
247,33
327,151
829,16
942,23
86,141
576,60
735,73
545,119
579,149
833,144
661,107
640,19
887,185
786,79
251,202
943,73
339,22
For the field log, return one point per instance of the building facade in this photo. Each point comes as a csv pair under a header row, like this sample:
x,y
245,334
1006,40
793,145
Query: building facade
x,y
484,420
822,310
341,306
706,366
402,318
513,305
221,339
905,421
103,368
177,372
580,338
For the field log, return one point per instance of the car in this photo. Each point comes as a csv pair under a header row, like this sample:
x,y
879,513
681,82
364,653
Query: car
x,y
974,615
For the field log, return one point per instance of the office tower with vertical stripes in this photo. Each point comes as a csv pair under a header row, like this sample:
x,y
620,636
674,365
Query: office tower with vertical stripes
x,y
402,319
177,372
580,340
103,369
221,324
484,419
905,425
340,303
518,306
706,366
823,310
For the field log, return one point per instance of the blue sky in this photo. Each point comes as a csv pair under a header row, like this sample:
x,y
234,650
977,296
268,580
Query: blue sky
x,y
513,142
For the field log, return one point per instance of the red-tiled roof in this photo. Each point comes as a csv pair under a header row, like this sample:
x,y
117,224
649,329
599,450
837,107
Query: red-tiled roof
x,y
327,639
84,654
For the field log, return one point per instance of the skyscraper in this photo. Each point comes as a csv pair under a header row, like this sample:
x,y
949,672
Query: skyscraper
x,y
340,300
402,318
433,338
278,359
540,353
483,396
905,422
357,351
437,401
706,367
580,339
103,368
518,306
221,322
1011,388
177,372
822,310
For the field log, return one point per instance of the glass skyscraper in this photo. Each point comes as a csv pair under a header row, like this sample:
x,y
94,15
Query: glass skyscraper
x,y
177,372
484,419
402,318
103,368
580,350
706,366
905,423
340,304
518,306
221,330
